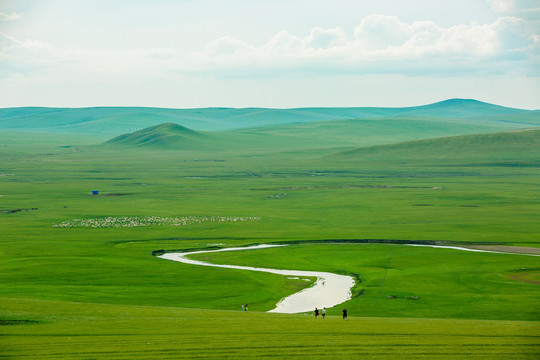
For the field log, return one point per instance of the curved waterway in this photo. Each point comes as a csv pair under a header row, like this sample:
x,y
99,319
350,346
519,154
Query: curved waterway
x,y
328,290
473,250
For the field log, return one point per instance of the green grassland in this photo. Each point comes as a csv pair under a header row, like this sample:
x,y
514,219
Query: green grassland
x,y
395,176
407,281
66,330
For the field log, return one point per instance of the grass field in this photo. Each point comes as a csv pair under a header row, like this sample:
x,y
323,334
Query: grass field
x,y
405,281
81,292
65,330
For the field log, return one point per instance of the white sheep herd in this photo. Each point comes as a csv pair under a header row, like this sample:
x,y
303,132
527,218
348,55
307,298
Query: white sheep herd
x,y
135,221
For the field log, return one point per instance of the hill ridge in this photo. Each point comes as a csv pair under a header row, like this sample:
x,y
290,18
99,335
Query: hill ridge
x,y
514,141
119,120
160,135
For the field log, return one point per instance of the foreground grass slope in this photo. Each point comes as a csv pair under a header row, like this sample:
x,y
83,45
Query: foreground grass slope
x,y
64,330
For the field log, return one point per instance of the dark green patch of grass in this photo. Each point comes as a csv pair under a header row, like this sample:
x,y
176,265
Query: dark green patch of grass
x,y
17,322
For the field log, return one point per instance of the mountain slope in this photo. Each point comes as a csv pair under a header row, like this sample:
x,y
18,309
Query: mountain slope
x,y
518,144
451,108
304,136
160,136
117,120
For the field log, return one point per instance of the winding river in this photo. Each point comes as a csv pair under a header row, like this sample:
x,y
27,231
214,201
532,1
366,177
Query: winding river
x,y
328,290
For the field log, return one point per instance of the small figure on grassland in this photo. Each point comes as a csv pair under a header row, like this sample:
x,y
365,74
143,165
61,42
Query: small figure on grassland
x,y
243,307
344,314
323,312
316,313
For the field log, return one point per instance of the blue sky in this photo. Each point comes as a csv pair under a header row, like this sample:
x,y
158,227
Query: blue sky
x,y
268,53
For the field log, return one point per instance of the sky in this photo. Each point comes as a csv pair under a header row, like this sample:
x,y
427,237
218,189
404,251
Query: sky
x,y
268,53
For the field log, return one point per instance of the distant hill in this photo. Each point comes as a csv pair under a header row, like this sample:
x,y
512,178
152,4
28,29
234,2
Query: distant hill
x,y
452,108
460,108
112,121
167,135
522,144
304,136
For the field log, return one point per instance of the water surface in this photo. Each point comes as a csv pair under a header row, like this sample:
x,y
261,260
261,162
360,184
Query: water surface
x,y
328,290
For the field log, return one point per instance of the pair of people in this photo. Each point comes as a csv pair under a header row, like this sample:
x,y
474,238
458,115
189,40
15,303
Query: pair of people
x,y
244,307
323,312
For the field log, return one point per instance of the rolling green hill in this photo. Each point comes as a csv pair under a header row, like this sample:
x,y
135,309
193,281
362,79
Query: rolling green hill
x,y
118,120
336,134
358,132
518,144
161,136
170,136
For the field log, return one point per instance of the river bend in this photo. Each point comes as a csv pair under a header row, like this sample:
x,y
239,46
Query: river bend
x,y
328,290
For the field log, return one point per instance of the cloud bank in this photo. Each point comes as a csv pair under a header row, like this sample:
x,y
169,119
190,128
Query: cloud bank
x,y
380,44
384,44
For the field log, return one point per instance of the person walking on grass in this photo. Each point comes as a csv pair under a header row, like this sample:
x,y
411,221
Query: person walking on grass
x,y
344,314
316,313
323,312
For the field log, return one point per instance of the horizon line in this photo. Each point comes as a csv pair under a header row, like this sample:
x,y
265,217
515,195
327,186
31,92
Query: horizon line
x,y
263,107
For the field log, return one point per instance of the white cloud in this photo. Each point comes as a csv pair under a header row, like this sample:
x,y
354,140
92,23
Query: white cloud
x,y
378,45
501,6
525,9
227,46
25,57
10,44
381,32
10,17
320,38
283,42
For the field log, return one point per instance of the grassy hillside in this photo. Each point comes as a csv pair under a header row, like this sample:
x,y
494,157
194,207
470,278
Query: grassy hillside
x,y
512,145
64,330
302,137
117,120
161,136
452,108
348,133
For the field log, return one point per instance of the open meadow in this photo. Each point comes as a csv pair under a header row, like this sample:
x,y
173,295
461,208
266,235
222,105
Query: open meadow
x,y
348,190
